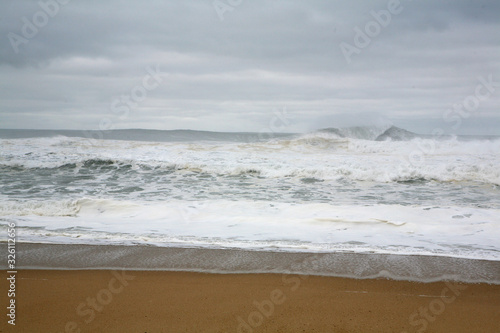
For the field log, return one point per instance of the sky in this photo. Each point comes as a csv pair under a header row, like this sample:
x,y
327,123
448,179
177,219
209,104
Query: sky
x,y
241,65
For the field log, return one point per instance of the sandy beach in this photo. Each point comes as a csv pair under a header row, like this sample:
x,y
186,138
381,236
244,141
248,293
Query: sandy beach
x,y
149,301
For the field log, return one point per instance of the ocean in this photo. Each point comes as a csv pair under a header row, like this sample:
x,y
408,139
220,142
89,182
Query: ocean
x,y
361,190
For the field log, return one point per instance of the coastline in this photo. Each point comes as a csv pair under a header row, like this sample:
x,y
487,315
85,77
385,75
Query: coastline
x,y
222,261
114,288
160,301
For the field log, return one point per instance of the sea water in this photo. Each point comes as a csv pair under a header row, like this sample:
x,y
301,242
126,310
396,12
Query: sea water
x,y
338,190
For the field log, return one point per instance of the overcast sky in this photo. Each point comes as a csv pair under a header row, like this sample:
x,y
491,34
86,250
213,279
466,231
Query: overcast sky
x,y
248,65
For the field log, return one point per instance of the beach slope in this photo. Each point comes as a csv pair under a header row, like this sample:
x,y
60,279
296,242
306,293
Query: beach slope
x,y
161,301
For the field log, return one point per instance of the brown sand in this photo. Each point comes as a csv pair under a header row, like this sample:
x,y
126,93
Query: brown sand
x,y
142,301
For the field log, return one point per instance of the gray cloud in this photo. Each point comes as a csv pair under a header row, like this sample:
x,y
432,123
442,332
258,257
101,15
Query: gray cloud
x,y
233,74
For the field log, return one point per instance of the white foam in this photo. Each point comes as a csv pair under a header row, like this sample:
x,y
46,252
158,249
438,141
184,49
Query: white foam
x,y
451,231
39,208
320,155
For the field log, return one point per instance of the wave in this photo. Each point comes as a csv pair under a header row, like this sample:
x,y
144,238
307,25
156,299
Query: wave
x,y
39,208
451,231
345,170
327,154
72,208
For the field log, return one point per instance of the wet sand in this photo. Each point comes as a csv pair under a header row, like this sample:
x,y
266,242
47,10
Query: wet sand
x,y
352,265
161,301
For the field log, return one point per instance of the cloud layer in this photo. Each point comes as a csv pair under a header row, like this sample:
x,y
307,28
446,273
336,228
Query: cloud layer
x,y
231,65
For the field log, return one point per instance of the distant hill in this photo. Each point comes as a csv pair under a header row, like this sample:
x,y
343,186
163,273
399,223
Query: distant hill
x,y
356,132
372,133
396,134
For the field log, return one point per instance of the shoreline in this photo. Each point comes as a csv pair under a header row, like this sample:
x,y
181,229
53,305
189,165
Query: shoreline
x,y
160,301
235,261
